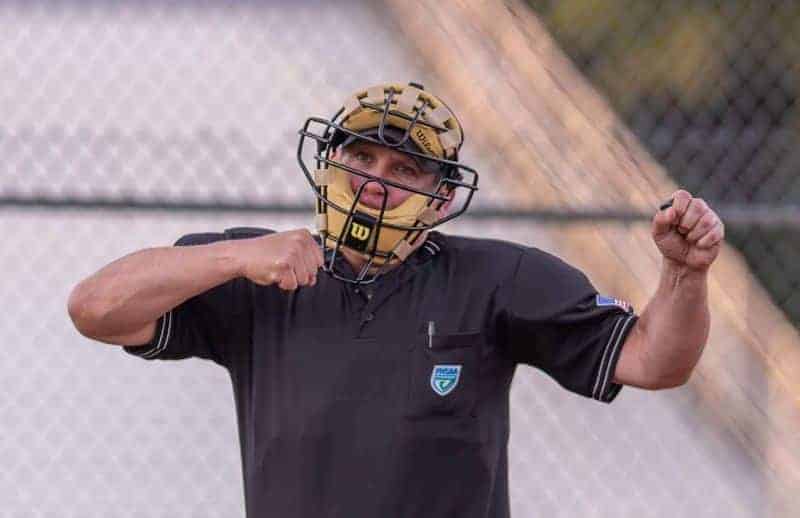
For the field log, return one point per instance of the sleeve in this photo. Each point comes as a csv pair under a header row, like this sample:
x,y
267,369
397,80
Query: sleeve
x,y
211,325
556,321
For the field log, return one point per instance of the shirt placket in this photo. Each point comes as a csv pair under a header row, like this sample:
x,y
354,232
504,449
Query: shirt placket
x,y
377,294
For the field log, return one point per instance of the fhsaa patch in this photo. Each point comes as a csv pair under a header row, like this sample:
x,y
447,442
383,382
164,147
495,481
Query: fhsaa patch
x,y
604,301
444,378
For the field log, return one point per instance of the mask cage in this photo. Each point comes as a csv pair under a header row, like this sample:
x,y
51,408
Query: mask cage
x,y
456,181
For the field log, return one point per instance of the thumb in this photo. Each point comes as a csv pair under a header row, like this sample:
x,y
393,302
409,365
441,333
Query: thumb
x,y
664,221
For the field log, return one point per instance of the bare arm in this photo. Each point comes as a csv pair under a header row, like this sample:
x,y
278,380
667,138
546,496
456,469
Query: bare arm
x,y
121,303
666,343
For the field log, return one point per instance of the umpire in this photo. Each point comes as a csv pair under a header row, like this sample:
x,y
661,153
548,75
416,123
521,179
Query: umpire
x,y
371,361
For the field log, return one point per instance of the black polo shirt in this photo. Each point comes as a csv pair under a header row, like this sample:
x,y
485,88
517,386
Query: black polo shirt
x,y
394,401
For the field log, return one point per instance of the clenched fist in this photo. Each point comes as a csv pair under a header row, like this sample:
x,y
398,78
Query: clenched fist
x,y
288,259
688,233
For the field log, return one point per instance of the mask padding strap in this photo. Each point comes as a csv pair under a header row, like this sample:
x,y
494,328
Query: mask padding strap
x,y
449,140
439,116
322,177
407,101
428,216
375,95
407,245
351,105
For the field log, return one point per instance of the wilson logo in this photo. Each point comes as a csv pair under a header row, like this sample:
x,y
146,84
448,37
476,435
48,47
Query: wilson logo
x,y
423,139
359,232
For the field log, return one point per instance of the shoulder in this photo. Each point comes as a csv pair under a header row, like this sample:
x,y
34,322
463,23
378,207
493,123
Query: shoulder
x,y
204,238
500,252
521,269
475,246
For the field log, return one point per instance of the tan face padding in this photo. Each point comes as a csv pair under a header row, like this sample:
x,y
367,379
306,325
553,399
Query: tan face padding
x,y
436,132
360,236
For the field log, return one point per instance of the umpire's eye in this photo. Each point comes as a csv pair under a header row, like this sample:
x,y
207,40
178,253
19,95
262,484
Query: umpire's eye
x,y
407,171
363,157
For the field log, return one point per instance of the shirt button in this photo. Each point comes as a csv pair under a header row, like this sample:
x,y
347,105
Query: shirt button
x,y
357,290
369,317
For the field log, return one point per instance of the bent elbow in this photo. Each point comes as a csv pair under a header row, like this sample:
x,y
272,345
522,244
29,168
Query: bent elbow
x,y
672,381
80,311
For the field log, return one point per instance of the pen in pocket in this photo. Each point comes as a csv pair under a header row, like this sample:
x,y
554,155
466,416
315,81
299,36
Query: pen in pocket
x,y
431,332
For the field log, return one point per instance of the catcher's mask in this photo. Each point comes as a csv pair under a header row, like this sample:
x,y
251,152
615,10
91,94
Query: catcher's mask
x,y
405,119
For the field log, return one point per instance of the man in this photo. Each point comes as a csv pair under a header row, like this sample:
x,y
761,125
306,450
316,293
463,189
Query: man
x,y
371,365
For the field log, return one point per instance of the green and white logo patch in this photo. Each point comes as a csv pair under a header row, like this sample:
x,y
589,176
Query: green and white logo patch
x,y
444,378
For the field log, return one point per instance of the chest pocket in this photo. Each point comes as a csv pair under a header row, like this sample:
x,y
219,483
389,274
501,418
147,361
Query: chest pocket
x,y
443,375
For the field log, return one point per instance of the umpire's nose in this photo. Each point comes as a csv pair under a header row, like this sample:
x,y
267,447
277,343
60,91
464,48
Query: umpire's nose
x,y
374,188
373,194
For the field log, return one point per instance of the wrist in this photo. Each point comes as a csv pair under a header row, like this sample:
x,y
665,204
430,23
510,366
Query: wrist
x,y
676,273
225,255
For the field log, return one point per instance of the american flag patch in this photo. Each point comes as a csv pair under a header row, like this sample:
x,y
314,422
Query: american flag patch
x,y
604,301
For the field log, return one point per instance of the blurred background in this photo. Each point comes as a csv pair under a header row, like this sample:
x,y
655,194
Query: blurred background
x,y
710,88
124,125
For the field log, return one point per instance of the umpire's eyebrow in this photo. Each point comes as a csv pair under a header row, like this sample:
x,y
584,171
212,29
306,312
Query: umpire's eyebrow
x,y
667,204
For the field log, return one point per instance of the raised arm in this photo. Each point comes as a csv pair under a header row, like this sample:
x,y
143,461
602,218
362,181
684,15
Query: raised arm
x,y
121,303
666,343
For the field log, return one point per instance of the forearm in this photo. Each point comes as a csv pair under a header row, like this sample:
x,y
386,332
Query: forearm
x,y
138,288
675,324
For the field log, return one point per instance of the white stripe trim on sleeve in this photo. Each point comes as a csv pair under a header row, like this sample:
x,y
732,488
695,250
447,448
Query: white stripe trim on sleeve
x,y
163,337
160,336
605,355
614,341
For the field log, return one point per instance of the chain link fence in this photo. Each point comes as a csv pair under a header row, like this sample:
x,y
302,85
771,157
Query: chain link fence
x,y
711,90
127,124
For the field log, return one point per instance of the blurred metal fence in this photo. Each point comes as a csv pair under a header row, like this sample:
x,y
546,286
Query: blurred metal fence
x,y
711,89
195,105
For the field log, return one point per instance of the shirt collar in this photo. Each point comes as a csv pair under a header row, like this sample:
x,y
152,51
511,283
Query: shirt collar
x,y
432,247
